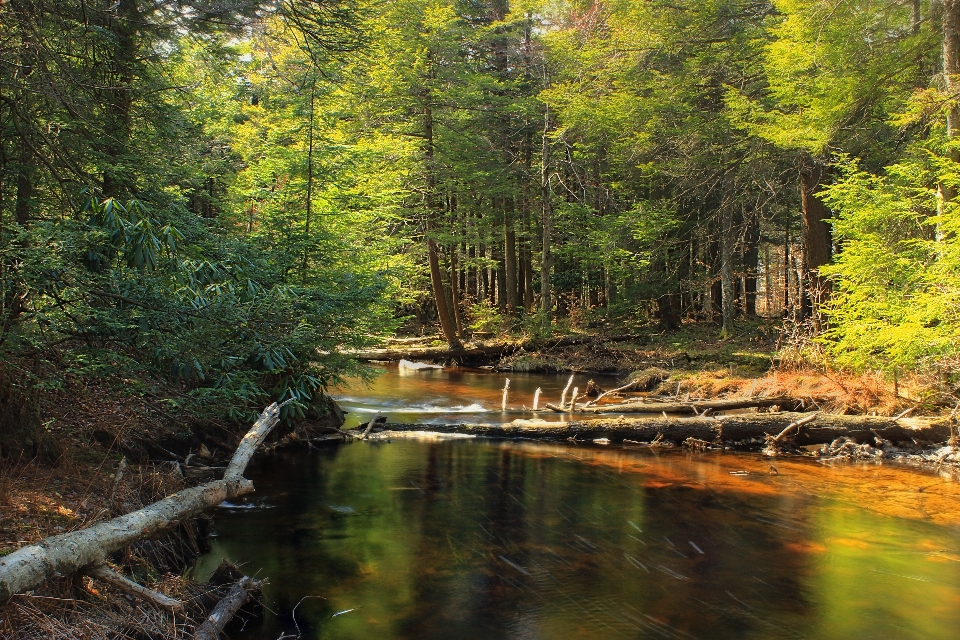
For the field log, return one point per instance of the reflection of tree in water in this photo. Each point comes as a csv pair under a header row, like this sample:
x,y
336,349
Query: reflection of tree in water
x,y
483,540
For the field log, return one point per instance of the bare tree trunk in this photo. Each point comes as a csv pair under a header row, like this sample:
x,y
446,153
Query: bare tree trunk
x,y
786,268
817,241
751,258
727,241
768,281
447,324
510,257
547,213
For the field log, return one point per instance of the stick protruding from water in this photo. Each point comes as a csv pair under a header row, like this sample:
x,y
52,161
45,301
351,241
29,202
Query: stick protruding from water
x,y
536,399
573,397
506,389
563,396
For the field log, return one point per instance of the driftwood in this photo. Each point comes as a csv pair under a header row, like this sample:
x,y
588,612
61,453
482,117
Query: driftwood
x,y
694,407
480,350
238,596
823,428
627,387
108,575
774,441
65,554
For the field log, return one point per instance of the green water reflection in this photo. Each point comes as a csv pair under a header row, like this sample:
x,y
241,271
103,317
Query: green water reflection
x,y
468,539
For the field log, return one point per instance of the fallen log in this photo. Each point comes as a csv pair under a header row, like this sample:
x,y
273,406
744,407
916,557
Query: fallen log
x,y
108,575
480,350
694,407
65,554
823,428
238,596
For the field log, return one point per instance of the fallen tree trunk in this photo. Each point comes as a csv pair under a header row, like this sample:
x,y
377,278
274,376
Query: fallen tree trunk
x,y
238,596
822,429
62,555
695,408
445,353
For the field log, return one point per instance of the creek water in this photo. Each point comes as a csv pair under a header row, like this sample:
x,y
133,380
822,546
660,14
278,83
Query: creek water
x,y
473,539
440,396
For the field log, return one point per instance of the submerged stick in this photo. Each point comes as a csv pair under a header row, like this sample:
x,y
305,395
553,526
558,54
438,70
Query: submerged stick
x,y
563,396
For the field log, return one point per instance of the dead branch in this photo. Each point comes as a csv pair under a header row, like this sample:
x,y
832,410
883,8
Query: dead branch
x,y
238,596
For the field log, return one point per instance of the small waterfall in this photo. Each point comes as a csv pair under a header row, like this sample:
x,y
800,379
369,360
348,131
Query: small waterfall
x,y
506,387
536,399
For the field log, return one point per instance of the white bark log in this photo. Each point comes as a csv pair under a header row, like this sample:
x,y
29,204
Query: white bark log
x,y
238,596
65,554
254,438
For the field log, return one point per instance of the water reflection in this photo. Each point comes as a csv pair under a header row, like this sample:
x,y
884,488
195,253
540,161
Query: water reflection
x,y
454,394
473,539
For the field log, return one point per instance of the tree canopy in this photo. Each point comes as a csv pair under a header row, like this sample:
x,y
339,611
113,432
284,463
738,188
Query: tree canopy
x,y
229,196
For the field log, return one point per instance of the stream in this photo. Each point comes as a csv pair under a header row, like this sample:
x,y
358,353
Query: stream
x,y
476,539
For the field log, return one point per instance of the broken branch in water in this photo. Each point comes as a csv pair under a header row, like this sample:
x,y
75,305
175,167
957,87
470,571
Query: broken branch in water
x,y
773,441
563,396
238,596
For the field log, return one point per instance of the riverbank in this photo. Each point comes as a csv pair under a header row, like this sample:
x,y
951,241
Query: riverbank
x,y
116,452
694,360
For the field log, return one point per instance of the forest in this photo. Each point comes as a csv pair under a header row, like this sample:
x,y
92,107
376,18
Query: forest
x,y
230,195
209,206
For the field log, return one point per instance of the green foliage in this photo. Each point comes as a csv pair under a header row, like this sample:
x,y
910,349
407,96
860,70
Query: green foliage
x,y
896,300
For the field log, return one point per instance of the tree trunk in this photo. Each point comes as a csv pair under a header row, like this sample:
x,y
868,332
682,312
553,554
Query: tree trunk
x,y
510,257
455,292
817,241
447,324
24,199
786,268
727,241
751,258
547,213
